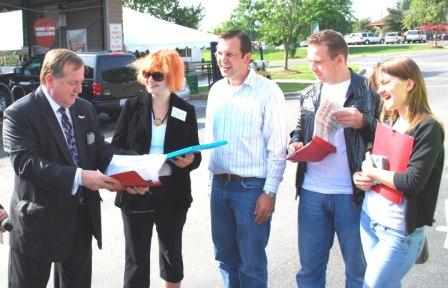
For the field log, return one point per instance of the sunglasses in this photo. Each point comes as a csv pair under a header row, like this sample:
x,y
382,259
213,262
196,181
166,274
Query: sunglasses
x,y
156,76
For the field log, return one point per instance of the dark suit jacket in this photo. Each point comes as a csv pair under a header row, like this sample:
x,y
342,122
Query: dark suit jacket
x,y
133,132
43,211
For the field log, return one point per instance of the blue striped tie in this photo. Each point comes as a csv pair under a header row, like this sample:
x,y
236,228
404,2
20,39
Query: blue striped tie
x,y
69,136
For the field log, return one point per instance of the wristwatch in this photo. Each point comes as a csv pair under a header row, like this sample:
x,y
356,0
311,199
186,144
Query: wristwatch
x,y
270,194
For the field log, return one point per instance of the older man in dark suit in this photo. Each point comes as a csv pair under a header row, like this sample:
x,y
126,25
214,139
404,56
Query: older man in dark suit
x,y
55,144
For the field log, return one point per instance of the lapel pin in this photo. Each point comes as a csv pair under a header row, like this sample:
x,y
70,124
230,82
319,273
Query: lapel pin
x,y
81,116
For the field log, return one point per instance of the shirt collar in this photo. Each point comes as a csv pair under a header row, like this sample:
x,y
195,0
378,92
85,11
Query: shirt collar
x,y
54,105
250,79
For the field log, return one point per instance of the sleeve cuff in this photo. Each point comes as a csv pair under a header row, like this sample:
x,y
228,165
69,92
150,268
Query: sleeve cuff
x,y
77,181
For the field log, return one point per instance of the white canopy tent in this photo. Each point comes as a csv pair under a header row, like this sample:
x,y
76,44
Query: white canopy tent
x,y
143,31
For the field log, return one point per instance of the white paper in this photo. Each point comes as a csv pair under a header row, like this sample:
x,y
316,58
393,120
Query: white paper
x,y
147,166
326,125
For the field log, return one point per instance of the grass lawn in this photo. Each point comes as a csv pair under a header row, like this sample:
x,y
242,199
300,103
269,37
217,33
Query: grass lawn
x,y
303,72
373,49
278,55
285,86
292,87
299,72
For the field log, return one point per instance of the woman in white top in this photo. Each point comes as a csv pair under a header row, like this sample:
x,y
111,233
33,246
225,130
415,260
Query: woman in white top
x,y
392,234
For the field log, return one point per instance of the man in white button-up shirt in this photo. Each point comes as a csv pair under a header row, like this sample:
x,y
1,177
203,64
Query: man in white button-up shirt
x,y
247,110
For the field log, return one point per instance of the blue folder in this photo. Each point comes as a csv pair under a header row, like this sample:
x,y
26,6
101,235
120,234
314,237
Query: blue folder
x,y
195,148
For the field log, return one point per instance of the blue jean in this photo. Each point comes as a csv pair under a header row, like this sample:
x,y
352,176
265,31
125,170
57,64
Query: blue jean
x,y
320,216
389,253
239,242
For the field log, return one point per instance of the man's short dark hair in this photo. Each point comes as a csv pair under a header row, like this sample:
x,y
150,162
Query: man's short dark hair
x,y
246,44
334,40
55,60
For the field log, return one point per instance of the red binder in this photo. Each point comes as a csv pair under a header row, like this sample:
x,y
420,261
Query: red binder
x,y
132,178
397,147
314,151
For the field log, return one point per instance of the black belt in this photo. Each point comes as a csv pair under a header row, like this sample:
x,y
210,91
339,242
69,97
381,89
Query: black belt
x,y
228,177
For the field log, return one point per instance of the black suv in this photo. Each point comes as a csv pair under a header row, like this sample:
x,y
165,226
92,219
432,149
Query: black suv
x,y
109,81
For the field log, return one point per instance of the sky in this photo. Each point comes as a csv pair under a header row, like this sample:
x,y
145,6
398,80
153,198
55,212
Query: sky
x,y
216,12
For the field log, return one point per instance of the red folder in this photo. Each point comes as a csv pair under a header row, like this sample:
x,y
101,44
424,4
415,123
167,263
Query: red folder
x,y
132,178
397,147
314,151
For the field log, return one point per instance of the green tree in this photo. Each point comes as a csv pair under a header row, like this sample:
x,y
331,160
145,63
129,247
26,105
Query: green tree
x,y
335,15
244,17
290,20
426,12
186,16
169,10
362,25
404,5
394,20
282,21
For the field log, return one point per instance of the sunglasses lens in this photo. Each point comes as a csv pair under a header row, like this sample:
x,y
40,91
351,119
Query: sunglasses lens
x,y
156,76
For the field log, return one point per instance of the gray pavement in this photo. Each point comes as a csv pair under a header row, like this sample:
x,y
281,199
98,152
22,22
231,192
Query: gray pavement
x,y
200,268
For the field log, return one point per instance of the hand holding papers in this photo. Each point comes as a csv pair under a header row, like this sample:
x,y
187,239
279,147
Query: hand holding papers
x,y
136,170
143,170
324,135
327,125
314,151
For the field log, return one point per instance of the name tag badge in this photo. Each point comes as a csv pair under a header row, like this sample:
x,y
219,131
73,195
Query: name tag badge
x,y
178,113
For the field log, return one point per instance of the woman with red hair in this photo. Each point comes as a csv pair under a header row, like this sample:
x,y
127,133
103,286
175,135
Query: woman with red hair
x,y
157,122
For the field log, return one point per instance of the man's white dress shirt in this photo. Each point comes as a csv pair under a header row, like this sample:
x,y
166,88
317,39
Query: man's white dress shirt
x,y
252,118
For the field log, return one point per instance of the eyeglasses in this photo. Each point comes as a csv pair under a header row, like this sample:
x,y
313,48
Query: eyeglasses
x,y
220,54
156,76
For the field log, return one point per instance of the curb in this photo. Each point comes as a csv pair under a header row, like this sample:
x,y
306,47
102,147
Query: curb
x,y
291,95
199,96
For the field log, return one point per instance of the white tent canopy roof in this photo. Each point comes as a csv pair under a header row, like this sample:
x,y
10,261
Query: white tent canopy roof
x,y
143,31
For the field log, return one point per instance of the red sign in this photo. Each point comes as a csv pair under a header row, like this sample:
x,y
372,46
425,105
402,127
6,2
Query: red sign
x,y
45,31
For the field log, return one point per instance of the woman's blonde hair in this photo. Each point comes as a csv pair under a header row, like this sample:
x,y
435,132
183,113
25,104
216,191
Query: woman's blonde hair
x,y
418,105
166,61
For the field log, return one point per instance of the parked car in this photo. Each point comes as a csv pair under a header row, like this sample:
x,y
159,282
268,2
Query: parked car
x,y
366,38
415,36
280,47
394,37
108,81
303,43
260,66
349,38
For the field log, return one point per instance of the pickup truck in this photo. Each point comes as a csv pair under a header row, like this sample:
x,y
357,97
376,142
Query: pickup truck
x,y
108,82
365,38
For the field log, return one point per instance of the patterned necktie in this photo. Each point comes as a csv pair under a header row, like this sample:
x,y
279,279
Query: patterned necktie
x,y
69,135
